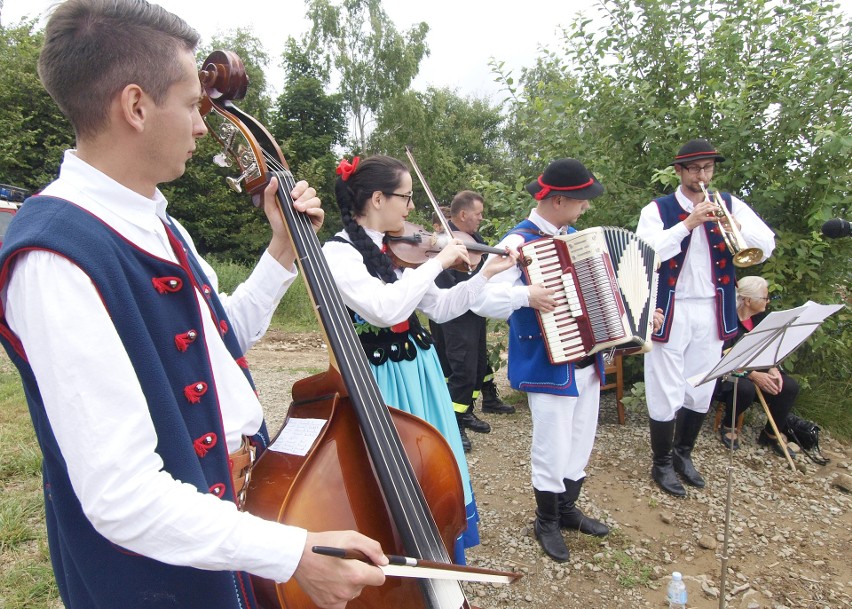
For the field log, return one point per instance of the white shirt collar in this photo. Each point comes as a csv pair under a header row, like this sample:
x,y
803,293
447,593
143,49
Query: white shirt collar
x,y
544,225
90,188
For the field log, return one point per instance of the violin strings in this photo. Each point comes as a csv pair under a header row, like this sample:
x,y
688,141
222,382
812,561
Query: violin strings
x,y
378,418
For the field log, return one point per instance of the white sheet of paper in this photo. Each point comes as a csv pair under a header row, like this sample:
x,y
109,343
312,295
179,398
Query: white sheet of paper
x,y
773,339
298,436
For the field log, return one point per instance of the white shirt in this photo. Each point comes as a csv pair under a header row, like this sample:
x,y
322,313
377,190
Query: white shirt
x,y
96,407
695,279
387,304
506,292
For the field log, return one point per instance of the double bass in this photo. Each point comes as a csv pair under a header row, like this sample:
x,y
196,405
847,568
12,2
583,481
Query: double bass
x,y
370,468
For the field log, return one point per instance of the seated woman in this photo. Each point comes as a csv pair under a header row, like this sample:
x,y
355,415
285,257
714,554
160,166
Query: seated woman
x,y
779,389
374,196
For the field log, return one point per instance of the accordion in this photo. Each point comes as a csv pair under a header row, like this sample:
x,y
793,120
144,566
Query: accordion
x,y
606,289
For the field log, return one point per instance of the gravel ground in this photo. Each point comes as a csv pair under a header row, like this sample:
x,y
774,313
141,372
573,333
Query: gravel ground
x,y
789,535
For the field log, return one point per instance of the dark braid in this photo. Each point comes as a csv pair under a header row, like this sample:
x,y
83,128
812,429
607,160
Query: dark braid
x,y
375,173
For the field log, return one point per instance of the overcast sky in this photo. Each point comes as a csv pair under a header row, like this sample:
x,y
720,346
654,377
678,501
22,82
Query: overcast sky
x,y
464,34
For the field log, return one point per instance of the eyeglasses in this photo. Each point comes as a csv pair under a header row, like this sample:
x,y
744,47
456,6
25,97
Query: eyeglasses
x,y
407,197
764,298
696,169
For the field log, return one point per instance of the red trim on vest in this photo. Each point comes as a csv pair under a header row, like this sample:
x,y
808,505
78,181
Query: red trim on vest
x,y
242,362
194,391
223,326
183,341
218,489
167,284
204,443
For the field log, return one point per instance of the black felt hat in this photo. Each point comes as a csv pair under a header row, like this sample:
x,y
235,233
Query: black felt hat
x,y
696,150
568,177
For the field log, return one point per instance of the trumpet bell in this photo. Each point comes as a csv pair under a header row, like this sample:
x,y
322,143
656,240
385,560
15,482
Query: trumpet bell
x,y
747,257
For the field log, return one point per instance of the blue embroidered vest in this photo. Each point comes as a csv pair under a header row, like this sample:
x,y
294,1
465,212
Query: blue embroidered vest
x,y
529,367
156,314
723,270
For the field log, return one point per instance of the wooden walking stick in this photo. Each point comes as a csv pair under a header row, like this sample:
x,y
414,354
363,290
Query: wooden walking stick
x,y
775,428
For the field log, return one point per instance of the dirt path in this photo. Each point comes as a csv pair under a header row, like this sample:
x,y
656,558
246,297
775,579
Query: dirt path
x,y
790,532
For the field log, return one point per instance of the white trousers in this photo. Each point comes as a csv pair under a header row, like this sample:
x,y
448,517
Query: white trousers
x,y
694,347
564,432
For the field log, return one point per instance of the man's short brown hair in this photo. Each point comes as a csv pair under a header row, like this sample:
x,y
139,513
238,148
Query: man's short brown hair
x,y
95,48
464,200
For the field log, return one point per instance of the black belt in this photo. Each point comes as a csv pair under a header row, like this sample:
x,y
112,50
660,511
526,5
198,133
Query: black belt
x,y
585,362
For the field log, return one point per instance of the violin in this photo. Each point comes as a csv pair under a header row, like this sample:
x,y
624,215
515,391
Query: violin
x,y
370,468
414,245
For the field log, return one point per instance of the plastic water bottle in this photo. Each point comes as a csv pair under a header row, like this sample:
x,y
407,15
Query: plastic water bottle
x,y
677,592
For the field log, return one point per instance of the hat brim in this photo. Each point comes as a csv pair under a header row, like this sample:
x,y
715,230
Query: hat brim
x,y
698,157
596,189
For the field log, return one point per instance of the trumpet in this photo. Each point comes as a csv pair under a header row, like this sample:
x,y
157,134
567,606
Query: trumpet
x,y
743,254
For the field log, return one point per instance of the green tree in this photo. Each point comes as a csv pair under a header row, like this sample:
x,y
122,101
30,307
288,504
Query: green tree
x,y
767,82
372,59
33,132
309,123
451,137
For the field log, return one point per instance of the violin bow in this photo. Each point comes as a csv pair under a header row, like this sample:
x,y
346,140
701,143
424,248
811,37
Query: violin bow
x,y
444,224
406,566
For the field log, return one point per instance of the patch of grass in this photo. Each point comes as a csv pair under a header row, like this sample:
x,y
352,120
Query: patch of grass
x,y
632,572
295,313
28,582
26,576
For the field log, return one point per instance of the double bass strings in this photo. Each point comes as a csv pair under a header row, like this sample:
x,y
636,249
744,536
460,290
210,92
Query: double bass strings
x,y
402,478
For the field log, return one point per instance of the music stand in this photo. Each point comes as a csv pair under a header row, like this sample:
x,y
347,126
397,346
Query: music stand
x,y
773,339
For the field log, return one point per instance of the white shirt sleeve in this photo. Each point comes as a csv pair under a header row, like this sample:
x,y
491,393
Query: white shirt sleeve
x,y
666,242
386,304
505,292
753,229
101,422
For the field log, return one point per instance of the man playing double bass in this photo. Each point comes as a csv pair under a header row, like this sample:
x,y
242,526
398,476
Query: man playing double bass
x,y
133,366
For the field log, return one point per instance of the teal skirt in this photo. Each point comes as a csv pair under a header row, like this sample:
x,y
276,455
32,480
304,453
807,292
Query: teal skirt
x,y
419,388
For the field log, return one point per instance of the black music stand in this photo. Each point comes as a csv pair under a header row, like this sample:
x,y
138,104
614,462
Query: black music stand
x,y
773,339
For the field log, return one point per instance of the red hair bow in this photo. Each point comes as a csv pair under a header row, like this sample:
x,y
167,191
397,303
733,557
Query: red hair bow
x,y
346,169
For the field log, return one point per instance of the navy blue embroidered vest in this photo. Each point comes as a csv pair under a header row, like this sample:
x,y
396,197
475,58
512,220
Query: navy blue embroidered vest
x,y
155,310
723,270
529,367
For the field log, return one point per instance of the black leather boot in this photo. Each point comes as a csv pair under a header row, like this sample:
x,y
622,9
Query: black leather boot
x,y
662,471
547,529
491,401
570,516
472,422
466,444
687,428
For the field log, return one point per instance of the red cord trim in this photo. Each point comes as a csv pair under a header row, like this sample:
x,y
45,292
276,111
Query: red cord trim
x,y
194,391
167,284
183,341
204,443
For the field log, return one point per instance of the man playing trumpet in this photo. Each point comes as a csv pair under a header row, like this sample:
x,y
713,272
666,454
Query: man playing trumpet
x,y
698,298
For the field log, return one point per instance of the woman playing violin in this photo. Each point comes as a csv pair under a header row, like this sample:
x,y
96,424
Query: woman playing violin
x,y
375,197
